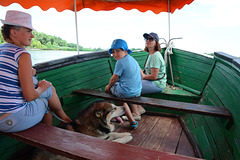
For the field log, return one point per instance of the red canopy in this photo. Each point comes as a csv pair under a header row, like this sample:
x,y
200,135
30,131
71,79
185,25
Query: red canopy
x,y
156,6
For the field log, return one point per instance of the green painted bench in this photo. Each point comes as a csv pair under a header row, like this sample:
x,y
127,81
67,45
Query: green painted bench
x,y
163,104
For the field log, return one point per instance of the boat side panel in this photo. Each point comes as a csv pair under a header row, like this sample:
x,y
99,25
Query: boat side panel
x,y
225,84
8,146
190,70
220,136
93,74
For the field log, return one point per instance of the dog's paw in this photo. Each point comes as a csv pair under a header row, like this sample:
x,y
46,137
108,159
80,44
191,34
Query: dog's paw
x,y
125,134
115,135
124,139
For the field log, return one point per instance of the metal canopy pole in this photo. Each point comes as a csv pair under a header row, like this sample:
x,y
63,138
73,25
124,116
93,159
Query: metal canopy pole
x,y
75,10
168,45
169,12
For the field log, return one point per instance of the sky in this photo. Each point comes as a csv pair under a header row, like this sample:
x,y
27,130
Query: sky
x,y
205,26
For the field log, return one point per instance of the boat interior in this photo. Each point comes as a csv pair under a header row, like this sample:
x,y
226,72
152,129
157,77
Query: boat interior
x,y
197,79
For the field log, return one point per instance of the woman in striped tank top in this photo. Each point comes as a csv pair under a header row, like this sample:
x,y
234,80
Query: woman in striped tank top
x,y
21,104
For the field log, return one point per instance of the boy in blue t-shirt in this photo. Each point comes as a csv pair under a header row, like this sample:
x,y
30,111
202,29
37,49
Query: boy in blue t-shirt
x,y
126,80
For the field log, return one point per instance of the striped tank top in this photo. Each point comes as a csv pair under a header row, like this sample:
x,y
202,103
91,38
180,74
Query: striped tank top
x,y
11,98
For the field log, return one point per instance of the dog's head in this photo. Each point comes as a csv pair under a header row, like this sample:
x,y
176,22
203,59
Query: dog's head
x,y
100,113
106,110
95,120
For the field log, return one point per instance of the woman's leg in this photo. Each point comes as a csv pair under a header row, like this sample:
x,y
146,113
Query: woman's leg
x,y
29,116
47,119
150,87
56,107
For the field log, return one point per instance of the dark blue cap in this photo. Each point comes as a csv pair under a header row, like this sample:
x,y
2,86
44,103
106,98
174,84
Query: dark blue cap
x,y
152,34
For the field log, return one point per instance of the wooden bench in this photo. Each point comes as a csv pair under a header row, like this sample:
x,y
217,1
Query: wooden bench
x,y
79,146
175,94
163,104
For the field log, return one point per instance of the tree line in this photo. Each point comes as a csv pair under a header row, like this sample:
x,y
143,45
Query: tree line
x,y
48,42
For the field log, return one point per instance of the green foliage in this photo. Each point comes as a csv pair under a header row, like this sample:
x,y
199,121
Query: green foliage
x,y
136,49
48,42
1,38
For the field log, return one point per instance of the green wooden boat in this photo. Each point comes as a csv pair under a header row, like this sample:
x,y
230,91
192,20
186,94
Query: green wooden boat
x,y
199,79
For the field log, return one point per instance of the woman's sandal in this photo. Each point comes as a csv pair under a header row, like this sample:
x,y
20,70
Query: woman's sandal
x,y
134,124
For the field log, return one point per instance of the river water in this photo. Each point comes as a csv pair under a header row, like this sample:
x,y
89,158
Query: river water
x,y
40,56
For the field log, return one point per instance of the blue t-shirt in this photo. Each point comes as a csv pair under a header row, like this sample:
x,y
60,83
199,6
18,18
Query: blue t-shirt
x,y
128,70
11,98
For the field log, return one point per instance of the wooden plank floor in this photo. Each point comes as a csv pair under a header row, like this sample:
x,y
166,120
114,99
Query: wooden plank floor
x,y
159,133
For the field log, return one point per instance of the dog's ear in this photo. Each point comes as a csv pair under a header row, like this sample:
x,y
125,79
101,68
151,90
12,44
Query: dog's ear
x,y
99,113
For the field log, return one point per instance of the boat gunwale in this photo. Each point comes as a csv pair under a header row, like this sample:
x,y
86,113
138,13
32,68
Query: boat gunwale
x,y
229,58
58,63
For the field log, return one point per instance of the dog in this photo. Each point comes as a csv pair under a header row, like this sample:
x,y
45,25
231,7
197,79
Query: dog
x,y
95,120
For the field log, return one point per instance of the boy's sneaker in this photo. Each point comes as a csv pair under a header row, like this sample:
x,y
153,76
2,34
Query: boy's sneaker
x,y
136,117
141,110
134,124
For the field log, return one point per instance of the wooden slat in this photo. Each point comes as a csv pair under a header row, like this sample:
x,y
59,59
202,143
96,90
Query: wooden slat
x,y
141,133
171,140
184,147
79,146
163,104
158,133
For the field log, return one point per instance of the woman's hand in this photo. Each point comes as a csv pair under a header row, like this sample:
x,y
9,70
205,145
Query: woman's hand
x,y
44,85
33,71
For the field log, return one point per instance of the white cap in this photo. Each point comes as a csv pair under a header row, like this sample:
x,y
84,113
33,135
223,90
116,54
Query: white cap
x,y
17,18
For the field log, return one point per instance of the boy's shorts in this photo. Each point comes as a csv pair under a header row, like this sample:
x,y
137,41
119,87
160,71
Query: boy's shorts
x,y
29,116
115,92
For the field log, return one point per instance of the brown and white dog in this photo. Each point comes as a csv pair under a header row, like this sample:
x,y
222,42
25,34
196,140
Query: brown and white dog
x,y
95,121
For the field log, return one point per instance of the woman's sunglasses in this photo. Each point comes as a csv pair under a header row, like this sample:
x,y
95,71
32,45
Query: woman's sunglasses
x,y
150,39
